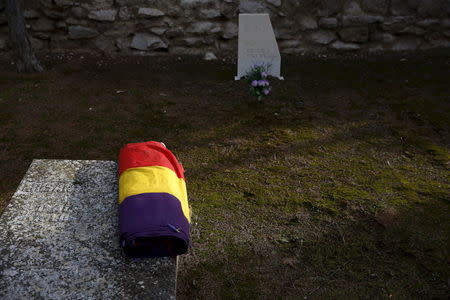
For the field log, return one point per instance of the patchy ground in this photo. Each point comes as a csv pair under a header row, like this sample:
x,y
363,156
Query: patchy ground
x,y
335,186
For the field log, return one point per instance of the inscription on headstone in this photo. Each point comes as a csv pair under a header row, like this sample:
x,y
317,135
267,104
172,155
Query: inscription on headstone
x,y
257,45
59,239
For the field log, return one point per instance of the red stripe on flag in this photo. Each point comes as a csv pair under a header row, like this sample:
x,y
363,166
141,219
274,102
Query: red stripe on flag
x,y
146,155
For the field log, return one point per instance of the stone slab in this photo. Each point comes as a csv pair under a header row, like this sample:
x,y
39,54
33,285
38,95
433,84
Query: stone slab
x,y
59,239
257,45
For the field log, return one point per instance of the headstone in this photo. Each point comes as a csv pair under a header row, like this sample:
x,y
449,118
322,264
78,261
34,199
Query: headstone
x,y
257,45
59,239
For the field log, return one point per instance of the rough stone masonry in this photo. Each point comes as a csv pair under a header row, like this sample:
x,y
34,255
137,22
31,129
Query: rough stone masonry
x,y
147,27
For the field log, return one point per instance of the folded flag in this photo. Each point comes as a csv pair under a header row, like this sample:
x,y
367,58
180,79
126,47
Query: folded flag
x,y
154,215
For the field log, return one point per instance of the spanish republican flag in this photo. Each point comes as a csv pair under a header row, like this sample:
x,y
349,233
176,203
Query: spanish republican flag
x,y
154,216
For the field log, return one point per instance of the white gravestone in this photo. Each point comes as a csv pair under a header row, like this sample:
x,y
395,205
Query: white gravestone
x,y
59,239
257,45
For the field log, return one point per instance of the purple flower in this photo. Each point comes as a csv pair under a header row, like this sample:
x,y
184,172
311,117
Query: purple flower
x,y
263,83
266,91
254,83
263,74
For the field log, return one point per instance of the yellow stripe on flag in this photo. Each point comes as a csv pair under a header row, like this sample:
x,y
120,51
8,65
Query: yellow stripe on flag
x,y
154,179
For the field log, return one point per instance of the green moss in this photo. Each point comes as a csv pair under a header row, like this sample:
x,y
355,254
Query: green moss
x,y
347,193
279,136
322,205
439,154
245,286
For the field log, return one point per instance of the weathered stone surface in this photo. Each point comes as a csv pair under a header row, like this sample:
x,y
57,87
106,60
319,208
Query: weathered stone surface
x,y
376,48
209,13
406,43
120,29
59,239
352,8
229,10
82,32
328,8
79,12
63,3
413,30
328,23
56,14
338,45
228,45
41,35
104,44
193,41
158,30
172,19
73,21
404,7
145,41
122,43
96,4
194,3
283,34
203,27
174,11
174,32
2,44
61,25
209,56
125,14
433,36
121,3
289,44
361,20
355,34
257,44
37,44
445,23
150,12
230,30
383,37
103,15
396,24
186,51
43,24
435,43
30,14
274,2
433,8
252,7
375,6
308,23
427,22
46,3
322,37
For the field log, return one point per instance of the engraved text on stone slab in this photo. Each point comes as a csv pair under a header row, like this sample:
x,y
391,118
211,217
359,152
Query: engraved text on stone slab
x,y
257,45
59,239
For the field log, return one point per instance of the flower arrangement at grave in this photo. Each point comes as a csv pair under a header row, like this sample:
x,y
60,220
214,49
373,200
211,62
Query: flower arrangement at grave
x,y
257,78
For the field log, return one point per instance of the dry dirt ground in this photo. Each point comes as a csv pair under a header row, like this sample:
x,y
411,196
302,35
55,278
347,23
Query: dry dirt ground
x,y
337,185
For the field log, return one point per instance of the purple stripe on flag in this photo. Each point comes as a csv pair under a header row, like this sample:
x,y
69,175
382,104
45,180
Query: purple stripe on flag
x,y
150,220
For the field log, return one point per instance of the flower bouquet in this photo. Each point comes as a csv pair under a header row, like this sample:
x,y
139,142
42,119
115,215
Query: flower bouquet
x,y
257,78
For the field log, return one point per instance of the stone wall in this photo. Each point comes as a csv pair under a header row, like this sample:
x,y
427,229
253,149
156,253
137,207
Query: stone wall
x,y
197,26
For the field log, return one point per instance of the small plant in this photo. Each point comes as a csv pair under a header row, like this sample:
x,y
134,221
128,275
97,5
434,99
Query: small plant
x,y
257,78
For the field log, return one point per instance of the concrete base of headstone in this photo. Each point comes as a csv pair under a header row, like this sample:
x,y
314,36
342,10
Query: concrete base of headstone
x,y
59,239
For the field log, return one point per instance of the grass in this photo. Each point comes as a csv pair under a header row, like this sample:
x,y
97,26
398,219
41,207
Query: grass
x,y
336,186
